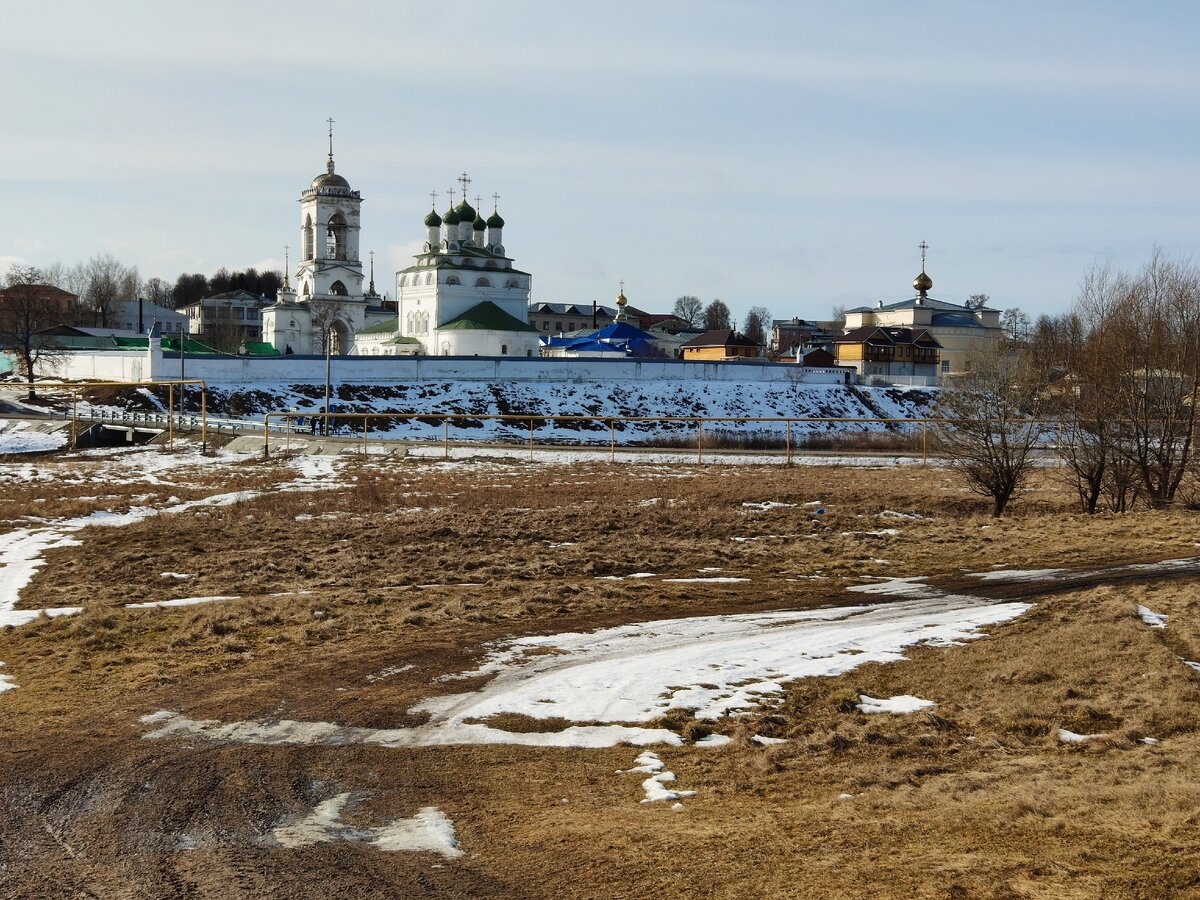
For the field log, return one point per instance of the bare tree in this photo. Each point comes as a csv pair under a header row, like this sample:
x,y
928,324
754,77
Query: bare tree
x,y
990,428
689,309
837,322
324,314
28,306
157,291
107,281
1015,324
717,316
758,322
1154,350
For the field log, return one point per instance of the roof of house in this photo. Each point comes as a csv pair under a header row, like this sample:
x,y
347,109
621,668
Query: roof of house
x,y
928,302
572,309
721,337
386,327
486,316
887,334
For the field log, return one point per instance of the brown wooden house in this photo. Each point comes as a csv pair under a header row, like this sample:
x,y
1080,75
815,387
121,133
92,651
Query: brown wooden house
x,y
723,343
886,351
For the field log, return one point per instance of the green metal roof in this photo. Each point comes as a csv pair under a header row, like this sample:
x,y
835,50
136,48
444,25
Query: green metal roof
x,y
260,348
486,316
382,327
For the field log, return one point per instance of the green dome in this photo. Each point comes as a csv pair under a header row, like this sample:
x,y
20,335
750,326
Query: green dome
x,y
478,224
451,217
494,221
433,220
465,212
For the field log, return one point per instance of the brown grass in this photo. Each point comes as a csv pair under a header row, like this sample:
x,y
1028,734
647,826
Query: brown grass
x,y
975,798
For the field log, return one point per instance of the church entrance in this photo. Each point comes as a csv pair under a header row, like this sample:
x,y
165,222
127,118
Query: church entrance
x,y
339,335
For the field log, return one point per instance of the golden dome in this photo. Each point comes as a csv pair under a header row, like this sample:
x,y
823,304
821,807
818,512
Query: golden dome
x,y
923,282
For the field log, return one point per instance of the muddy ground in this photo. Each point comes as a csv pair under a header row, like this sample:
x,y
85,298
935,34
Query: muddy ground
x,y
419,564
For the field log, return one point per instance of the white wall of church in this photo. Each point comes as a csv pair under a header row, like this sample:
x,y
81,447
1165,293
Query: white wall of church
x,y
462,342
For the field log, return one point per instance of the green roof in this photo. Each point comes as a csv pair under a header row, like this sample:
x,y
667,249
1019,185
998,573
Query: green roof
x,y
382,327
486,316
189,345
260,348
406,340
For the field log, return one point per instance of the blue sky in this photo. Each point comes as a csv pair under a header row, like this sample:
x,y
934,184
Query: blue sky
x,y
791,155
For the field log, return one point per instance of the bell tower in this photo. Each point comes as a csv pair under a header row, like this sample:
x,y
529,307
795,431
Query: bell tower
x,y
330,265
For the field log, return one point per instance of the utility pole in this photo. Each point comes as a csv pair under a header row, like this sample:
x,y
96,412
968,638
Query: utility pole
x,y
328,355
182,387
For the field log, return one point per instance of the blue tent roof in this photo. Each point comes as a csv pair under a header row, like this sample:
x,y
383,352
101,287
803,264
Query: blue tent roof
x,y
621,331
592,346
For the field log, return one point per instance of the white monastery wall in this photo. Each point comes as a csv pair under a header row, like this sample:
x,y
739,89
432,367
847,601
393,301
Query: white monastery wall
x,y
119,365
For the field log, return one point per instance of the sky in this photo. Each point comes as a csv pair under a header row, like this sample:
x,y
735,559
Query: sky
x,y
790,155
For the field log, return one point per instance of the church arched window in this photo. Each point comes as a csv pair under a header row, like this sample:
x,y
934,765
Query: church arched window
x,y
429,278
335,237
482,282
408,323
453,279
511,283
338,289
308,237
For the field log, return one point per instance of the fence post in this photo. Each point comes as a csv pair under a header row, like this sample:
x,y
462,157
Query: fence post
x,y
612,441
266,435
74,433
203,419
924,442
531,438
446,437
366,452
789,442
171,415
699,440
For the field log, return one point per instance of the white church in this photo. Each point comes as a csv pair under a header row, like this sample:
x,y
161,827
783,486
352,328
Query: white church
x,y
462,297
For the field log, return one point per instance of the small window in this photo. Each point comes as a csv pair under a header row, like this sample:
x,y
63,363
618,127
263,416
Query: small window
x,y
453,279
945,366
558,326
482,282
504,349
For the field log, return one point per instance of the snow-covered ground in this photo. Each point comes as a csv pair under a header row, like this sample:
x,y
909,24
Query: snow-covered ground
x,y
19,436
616,398
715,665
429,831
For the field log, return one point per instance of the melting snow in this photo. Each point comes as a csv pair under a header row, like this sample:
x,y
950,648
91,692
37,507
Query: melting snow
x,y
903,703
1153,619
428,831
1070,737
715,665
182,601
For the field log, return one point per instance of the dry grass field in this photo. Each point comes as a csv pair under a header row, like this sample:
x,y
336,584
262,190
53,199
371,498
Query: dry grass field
x,y
359,590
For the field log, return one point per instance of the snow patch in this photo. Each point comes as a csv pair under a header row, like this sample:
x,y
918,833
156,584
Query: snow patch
x,y
1153,619
902,703
182,601
1070,737
429,831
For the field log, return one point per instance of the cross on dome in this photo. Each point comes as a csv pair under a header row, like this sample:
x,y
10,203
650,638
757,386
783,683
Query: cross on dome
x,y
465,180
